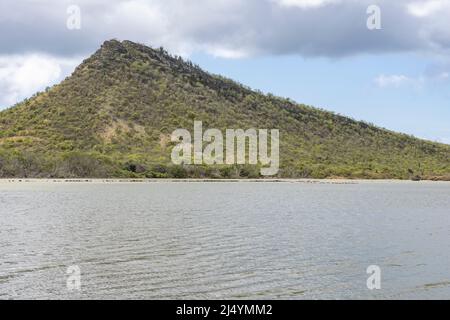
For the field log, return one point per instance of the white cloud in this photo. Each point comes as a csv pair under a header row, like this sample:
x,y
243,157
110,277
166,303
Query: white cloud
x,y
23,75
305,4
443,76
400,80
394,80
235,28
227,53
427,8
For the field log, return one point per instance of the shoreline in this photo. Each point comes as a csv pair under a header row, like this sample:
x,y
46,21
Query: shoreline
x,y
280,180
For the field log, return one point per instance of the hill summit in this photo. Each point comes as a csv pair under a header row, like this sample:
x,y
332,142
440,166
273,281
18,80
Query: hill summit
x,y
114,115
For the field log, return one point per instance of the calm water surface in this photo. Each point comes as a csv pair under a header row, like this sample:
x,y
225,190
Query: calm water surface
x,y
224,240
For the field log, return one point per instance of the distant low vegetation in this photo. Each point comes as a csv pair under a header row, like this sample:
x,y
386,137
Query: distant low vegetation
x,y
114,115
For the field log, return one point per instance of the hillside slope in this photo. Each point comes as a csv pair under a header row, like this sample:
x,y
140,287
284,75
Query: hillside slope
x,y
113,118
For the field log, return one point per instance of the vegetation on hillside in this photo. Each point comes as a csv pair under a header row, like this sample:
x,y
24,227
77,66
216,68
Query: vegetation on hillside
x,y
113,118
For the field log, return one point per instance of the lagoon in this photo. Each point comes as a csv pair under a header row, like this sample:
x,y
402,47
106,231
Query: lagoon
x,y
204,240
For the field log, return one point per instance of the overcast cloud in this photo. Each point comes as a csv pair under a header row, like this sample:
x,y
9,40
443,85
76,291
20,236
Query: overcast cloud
x,y
226,28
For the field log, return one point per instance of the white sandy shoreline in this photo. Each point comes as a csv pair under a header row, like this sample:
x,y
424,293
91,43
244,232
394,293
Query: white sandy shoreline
x,y
122,181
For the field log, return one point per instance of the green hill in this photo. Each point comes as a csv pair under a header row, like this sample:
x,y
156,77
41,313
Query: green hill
x,y
113,118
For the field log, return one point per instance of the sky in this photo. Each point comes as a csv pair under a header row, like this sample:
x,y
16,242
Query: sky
x,y
385,62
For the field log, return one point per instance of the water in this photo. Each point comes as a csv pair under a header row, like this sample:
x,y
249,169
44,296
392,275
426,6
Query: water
x,y
225,240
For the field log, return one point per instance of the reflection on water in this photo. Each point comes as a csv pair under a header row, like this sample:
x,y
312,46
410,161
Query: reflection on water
x,y
224,240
